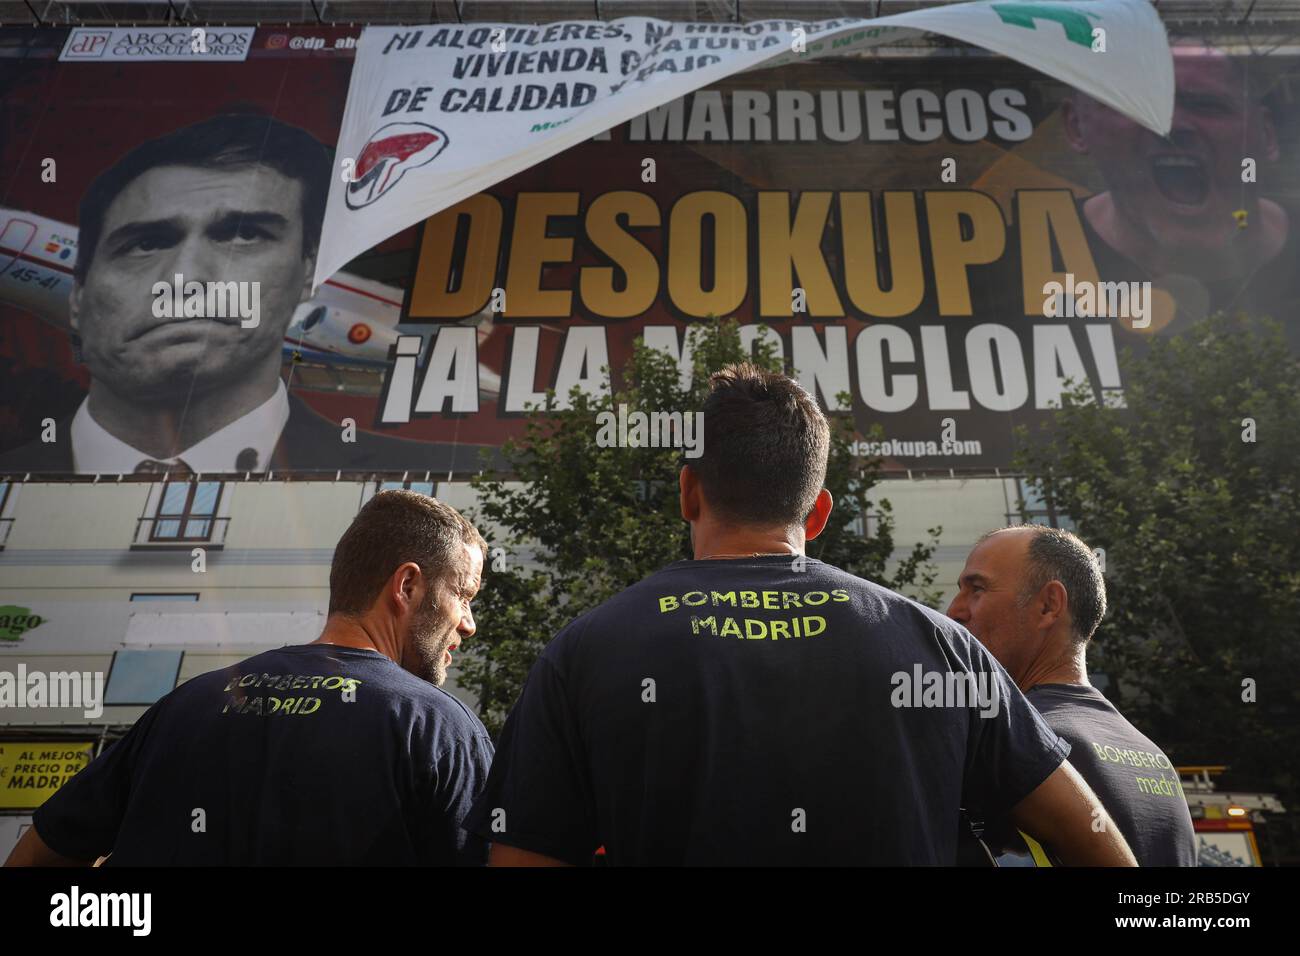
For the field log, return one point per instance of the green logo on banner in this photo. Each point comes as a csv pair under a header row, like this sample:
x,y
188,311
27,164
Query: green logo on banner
x,y
1074,21
16,621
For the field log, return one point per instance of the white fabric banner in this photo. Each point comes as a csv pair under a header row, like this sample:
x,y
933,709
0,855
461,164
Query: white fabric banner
x,y
209,629
438,113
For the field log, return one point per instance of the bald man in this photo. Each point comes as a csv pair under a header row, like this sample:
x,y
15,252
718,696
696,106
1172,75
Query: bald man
x,y
1034,596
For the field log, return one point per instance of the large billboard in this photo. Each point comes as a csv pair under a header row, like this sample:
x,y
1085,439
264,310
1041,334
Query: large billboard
x,y
946,239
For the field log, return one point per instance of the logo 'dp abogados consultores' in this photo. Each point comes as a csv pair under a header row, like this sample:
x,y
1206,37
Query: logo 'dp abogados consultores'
x,y
386,157
16,621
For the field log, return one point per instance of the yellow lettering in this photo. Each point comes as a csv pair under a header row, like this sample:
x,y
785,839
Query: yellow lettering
x,y
861,277
431,295
709,622
531,249
1044,215
686,256
637,263
951,252
785,247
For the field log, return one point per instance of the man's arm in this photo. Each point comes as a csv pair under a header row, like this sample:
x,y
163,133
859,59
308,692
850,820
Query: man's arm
x,y
31,850
1064,814
502,855
538,806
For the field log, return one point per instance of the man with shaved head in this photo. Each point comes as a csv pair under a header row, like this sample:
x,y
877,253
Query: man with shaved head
x,y
1034,597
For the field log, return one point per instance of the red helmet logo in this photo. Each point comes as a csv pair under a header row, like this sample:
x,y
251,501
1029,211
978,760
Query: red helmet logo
x,y
384,160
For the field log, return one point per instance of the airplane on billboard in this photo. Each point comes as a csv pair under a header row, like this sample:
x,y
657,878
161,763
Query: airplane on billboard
x,y
350,321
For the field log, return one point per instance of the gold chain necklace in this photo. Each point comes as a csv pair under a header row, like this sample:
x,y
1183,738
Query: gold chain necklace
x,y
755,554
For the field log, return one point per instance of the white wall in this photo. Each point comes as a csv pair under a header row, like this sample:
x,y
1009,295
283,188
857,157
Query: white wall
x,y
69,559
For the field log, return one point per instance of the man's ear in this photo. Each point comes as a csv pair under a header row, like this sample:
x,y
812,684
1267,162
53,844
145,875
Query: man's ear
x,y
405,586
1054,604
74,305
1072,124
1269,133
305,293
815,523
689,483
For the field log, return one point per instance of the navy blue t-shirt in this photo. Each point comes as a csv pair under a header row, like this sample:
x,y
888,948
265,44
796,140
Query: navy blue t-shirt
x,y
1136,782
312,755
746,711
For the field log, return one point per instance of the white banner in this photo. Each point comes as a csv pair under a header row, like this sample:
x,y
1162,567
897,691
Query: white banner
x,y
438,113
269,628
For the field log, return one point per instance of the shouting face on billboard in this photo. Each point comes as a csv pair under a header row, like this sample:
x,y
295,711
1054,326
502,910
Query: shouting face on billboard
x,y
1172,203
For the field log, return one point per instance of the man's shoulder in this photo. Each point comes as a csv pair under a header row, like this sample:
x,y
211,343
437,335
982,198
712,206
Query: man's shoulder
x,y
1076,711
419,697
388,680
875,602
39,457
894,606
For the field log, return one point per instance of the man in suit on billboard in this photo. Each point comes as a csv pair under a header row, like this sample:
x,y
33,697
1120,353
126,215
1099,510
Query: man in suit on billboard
x,y
237,198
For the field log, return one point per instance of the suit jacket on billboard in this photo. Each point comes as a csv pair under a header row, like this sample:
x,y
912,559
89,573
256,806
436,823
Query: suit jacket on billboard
x,y
308,443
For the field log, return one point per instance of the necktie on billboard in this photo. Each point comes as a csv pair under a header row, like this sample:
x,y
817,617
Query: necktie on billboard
x,y
151,466
438,113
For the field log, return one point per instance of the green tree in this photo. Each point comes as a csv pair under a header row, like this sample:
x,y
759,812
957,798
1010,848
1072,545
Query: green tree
x,y
577,523
1191,493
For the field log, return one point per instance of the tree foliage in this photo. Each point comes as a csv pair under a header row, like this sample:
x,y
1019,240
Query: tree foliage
x,y
1197,518
574,523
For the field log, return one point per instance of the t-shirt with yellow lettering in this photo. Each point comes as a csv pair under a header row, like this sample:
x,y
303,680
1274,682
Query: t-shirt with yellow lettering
x,y
309,755
764,710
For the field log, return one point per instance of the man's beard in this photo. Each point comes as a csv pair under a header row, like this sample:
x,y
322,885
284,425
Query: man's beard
x,y
426,653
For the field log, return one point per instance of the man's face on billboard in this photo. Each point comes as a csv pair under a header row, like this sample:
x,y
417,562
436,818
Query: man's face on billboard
x,y
241,224
1181,192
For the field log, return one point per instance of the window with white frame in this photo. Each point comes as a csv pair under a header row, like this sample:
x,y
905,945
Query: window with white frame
x,y
1033,508
423,487
5,521
187,511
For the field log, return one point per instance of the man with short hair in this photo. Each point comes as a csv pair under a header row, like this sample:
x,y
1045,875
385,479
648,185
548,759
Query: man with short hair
x,y
337,752
237,199
1034,596
745,707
